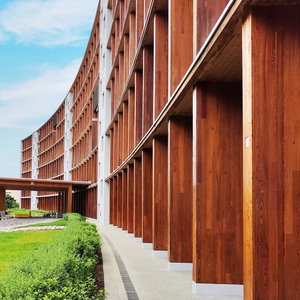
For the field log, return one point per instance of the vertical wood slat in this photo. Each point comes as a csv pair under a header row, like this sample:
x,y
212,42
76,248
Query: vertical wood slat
x,y
121,74
125,130
124,200
119,200
271,121
111,202
116,145
138,113
115,201
160,63
137,221
139,19
180,189
146,7
2,199
132,38
217,184
248,260
147,195
130,198
160,193
131,119
147,102
126,57
206,14
180,40
112,151
120,139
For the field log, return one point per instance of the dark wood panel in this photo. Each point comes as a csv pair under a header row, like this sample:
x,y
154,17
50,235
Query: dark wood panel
x,y
147,88
217,183
272,238
160,88
119,200
124,200
120,150
206,15
131,119
138,207
130,197
180,189
160,193
181,40
111,201
2,199
125,131
138,106
147,195
139,18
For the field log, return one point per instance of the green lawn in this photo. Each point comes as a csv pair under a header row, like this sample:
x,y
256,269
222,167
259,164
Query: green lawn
x,y
26,211
15,245
59,222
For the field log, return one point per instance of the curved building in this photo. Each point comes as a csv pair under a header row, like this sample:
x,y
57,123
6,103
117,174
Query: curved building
x,y
66,146
184,118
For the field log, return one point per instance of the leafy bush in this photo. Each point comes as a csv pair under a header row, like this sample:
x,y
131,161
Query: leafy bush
x,y
10,202
61,269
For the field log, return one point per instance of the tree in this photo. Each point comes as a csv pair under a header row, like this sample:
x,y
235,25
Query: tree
x,y
11,202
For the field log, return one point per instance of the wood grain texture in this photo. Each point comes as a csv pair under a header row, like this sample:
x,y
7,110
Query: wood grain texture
x,y
160,193
119,200
124,200
274,61
139,19
180,189
2,199
206,14
138,207
217,183
130,198
138,114
147,88
125,131
160,68
181,40
147,195
131,119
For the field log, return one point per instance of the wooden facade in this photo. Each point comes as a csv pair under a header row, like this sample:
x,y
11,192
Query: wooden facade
x,y
207,93
202,126
77,135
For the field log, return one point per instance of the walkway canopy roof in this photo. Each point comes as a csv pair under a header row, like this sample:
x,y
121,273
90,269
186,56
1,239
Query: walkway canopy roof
x,y
29,184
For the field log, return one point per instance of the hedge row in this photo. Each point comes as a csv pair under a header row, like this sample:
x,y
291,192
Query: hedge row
x,y
61,269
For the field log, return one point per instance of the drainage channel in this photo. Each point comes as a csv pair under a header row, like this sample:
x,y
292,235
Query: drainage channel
x,y
129,287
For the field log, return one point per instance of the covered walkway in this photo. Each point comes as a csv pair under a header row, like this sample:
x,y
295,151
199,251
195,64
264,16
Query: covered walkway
x,y
29,184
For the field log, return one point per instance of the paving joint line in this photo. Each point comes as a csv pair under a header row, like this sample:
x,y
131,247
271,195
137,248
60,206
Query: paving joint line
x,y
128,285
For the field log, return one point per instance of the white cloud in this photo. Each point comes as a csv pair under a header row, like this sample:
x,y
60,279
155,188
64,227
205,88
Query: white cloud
x,y
48,22
31,103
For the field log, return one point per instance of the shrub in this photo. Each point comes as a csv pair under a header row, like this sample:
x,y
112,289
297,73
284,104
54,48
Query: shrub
x,y
61,269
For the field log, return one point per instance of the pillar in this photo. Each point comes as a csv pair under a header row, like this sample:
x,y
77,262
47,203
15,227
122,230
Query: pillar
x,y
271,146
217,189
160,196
180,193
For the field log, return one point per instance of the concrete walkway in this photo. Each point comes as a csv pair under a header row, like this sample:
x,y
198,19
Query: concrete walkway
x,y
12,224
131,272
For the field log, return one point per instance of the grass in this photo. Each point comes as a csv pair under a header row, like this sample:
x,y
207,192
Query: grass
x,y
54,223
26,211
14,246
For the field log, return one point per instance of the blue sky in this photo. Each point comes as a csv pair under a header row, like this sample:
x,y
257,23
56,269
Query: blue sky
x,y
42,43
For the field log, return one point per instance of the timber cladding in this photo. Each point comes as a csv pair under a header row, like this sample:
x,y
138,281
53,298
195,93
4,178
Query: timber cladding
x,y
199,101
272,252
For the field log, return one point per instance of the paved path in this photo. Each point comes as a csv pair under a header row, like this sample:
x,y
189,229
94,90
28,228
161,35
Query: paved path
x,y
12,224
131,272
